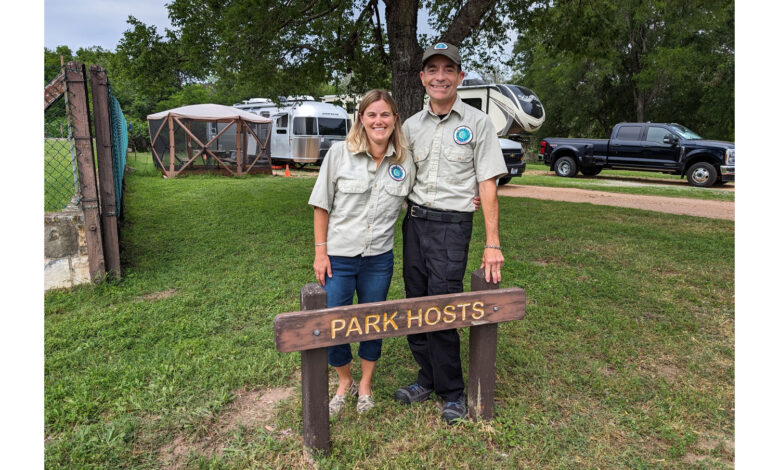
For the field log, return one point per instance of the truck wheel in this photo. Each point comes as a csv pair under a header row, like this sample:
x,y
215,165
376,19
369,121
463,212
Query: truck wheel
x,y
591,171
566,167
504,180
702,174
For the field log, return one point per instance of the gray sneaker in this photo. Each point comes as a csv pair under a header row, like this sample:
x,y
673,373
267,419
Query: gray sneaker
x,y
454,410
413,393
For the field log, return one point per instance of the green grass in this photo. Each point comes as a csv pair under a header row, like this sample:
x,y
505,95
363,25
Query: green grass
x,y
625,358
58,186
611,180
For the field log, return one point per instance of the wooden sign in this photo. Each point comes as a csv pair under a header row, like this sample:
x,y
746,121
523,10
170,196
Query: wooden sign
x,y
311,329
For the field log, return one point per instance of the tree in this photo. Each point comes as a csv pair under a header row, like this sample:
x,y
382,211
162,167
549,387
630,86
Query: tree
x,y
630,60
281,48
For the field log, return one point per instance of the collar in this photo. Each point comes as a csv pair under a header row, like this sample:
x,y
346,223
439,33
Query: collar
x,y
389,152
457,107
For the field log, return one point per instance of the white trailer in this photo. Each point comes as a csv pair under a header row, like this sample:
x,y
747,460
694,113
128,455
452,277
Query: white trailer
x,y
303,129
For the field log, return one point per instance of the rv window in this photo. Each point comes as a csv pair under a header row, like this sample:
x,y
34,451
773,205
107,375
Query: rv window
x,y
475,102
281,121
305,126
333,126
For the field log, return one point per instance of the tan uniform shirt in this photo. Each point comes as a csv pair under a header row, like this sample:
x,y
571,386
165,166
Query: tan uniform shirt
x,y
452,156
362,200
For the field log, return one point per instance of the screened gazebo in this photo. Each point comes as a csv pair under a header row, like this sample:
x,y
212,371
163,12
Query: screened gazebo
x,y
210,138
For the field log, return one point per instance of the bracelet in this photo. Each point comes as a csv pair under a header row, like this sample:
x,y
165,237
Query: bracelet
x,y
320,244
495,247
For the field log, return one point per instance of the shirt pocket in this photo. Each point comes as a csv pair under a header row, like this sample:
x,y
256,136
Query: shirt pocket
x,y
460,164
397,189
352,186
420,154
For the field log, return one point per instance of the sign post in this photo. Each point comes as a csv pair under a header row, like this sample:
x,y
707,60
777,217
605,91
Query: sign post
x,y
315,328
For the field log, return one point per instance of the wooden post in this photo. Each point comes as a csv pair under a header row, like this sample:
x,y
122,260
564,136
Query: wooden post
x,y
482,358
314,381
172,148
108,209
75,76
239,130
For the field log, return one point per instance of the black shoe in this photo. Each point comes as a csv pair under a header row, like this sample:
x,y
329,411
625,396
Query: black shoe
x,y
454,410
413,393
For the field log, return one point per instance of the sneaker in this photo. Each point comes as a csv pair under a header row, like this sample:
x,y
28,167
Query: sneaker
x,y
413,393
365,403
338,401
454,410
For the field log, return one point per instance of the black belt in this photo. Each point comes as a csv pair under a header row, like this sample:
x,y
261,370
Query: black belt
x,y
420,212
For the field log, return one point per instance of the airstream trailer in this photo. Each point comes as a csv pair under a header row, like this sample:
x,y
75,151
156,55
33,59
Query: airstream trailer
x,y
303,129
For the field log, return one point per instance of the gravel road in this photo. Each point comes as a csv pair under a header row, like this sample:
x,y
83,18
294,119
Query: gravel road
x,y
670,205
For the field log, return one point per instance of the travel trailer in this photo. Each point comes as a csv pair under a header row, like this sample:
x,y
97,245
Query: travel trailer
x,y
302,130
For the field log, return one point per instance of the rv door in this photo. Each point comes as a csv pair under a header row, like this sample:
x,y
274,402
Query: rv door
x,y
280,137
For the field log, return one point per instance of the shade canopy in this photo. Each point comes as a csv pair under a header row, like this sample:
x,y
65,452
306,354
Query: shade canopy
x,y
209,112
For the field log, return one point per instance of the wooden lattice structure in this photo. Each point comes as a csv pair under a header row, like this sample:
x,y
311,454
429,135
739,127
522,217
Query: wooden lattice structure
x,y
210,138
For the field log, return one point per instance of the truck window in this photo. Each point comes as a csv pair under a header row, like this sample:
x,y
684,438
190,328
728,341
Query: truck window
x,y
629,133
656,134
332,126
305,126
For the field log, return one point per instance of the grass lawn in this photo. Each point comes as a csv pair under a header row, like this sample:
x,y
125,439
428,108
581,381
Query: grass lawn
x,y
619,181
625,358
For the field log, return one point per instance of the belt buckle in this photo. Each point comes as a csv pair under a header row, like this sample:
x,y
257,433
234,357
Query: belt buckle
x,y
412,210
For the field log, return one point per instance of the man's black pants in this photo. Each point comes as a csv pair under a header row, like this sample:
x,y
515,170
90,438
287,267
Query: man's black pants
x,y
435,257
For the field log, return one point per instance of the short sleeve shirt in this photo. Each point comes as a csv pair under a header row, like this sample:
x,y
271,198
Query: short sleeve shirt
x,y
362,200
452,155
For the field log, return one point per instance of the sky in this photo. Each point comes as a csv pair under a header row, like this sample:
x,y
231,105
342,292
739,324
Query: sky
x,y
86,23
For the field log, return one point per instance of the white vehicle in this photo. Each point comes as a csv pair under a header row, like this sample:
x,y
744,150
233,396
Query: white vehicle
x,y
303,129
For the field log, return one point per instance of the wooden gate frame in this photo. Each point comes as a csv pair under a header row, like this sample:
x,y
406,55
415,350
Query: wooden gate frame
x,y
293,332
241,128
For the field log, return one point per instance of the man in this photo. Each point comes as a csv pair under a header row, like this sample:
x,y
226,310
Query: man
x,y
457,154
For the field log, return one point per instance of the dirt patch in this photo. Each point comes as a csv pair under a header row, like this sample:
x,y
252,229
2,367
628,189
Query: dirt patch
x,y
669,205
158,295
250,409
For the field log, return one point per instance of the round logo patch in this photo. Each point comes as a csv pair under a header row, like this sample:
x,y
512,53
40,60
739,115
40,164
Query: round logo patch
x,y
463,135
440,46
397,172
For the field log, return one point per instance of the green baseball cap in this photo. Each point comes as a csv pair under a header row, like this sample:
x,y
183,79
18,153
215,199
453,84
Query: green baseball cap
x,y
442,48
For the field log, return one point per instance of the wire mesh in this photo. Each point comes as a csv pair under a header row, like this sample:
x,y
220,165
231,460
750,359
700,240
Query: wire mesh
x,y
118,146
60,173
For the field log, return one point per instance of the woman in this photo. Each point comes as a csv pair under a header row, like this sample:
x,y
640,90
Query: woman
x,y
359,192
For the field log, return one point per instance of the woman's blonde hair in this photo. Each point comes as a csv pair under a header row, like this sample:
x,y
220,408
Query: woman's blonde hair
x,y
357,140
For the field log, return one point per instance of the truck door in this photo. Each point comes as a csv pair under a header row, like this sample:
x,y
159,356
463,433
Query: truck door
x,y
625,148
659,149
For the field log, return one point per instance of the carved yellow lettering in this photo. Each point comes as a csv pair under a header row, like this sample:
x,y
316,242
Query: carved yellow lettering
x,y
334,329
449,314
372,320
438,316
389,321
354,325
476,308
410,317
463,307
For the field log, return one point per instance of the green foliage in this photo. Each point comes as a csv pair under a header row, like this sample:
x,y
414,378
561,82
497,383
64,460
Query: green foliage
x,y
594,64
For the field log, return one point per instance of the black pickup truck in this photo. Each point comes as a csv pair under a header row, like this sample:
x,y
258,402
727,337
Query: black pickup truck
x,y
666,148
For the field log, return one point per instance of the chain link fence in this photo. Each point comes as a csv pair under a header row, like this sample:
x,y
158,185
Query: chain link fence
x,y
118,146
60,173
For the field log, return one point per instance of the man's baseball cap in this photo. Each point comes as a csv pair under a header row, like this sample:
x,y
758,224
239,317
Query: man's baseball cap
x,y
442,48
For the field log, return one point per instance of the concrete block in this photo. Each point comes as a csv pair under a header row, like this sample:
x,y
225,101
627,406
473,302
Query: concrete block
x,y
56,274
61,238
80,269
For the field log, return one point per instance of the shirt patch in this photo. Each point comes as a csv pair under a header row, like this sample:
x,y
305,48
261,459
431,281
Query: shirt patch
x,y
440,46
397,172
463,135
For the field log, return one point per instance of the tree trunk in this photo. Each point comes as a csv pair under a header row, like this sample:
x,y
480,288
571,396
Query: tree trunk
x,y
405,55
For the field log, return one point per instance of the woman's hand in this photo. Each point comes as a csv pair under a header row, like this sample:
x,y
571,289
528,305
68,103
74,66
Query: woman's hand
x,y
477,200
322,267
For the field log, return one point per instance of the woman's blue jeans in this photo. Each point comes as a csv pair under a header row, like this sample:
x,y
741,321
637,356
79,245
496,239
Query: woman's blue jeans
x,y
370,277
